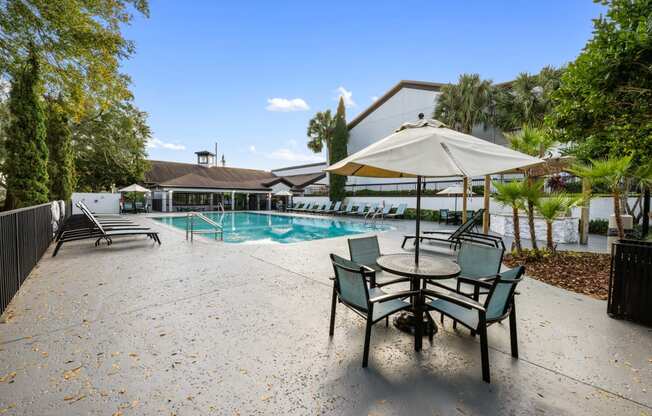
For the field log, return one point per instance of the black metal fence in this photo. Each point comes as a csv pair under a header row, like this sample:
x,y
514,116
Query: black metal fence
x,y
25,234
630,283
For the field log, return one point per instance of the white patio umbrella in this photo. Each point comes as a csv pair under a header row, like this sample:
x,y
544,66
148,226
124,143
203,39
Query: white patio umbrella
x,y
134,188
455,190
428,148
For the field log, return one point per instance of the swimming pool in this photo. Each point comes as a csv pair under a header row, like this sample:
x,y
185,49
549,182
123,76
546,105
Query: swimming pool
x,y
241,227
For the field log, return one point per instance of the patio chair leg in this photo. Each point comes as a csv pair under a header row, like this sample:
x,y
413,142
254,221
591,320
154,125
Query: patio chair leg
x,y
387,321
331,330
484,351
476,296
454,321
404,241
367,338
512,332
56,249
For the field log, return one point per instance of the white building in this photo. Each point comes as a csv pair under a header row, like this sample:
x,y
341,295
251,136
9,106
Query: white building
x,y
402,103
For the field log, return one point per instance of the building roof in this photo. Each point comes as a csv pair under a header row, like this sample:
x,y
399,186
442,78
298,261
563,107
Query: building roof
x,y
309,165
188,175
297,182
205,152
415,85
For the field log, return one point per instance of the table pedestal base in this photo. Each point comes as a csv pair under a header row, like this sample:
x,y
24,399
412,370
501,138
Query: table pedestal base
x,y
407,322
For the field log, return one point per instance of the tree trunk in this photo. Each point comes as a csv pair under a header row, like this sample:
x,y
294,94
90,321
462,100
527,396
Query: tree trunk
x,y
517,231
619,218
551,245
530,218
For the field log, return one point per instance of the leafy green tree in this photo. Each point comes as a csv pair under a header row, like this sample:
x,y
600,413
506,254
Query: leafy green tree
x,y
604,104
611,173
511,194
26,150
465,104
80,43
552,207
61,161
110,147
338,152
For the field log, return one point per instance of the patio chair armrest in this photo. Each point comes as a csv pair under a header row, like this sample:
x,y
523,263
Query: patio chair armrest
x,y
458,300
390,282
484,281
481,235
392,296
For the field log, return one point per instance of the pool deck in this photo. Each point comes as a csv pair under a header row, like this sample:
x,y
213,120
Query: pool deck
x,y
242,329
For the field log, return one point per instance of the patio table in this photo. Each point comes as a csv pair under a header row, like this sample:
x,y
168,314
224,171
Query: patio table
x,y
429,268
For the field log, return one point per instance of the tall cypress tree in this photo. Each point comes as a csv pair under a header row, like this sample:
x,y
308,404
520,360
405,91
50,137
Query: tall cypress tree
x,y
27,151
61,163
338,152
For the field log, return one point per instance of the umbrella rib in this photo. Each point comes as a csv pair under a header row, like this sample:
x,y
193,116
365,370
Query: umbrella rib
x,y
447,150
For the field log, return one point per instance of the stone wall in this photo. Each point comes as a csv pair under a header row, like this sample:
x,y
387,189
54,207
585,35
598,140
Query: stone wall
x,y
564,230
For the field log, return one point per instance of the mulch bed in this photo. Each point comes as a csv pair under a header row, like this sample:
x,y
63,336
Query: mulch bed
x,y
586,273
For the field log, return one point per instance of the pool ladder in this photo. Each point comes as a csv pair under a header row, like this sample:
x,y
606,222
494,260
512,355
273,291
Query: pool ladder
x,y
190,226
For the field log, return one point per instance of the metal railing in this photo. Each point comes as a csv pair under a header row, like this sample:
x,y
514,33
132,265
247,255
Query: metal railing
x,y
190,226
25,235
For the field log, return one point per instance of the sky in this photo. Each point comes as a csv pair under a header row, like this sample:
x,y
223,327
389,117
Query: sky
x,y
250,75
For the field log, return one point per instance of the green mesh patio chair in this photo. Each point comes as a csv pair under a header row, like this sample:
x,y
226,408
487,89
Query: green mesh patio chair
x,y
498,305
350,288
365,251
444,216
478,263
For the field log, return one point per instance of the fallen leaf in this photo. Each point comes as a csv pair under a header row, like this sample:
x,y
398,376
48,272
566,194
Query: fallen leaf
x,y
8,377
71,374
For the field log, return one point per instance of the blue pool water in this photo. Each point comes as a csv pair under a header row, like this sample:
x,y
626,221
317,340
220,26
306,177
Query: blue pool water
x,y
240,227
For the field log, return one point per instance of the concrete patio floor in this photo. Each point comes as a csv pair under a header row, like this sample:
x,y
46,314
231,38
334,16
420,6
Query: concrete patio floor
x,y
242,329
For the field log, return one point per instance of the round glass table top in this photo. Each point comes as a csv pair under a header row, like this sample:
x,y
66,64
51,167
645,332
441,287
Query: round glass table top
x,y
429,267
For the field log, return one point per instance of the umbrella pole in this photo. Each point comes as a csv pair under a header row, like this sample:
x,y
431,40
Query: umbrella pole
x,y
465,195
416,249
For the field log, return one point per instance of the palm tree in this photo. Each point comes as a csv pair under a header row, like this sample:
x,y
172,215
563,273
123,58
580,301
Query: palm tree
x,y
611,173
533,141
465,104
552,207
532,191
511,194
320,132
527,99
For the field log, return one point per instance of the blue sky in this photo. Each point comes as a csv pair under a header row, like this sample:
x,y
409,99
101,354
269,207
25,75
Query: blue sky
x,y
209,71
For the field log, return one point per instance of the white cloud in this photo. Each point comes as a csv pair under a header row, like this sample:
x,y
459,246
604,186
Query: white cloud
x,y
155,143
290,155
292,143
346,95
252,148
285,104
374,99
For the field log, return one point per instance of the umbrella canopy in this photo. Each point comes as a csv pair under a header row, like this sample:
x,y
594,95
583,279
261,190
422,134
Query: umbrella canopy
x,y
455,190
429,149
283,193
134,188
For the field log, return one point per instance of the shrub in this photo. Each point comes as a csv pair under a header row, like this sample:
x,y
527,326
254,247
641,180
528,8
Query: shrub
x,y
598,226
